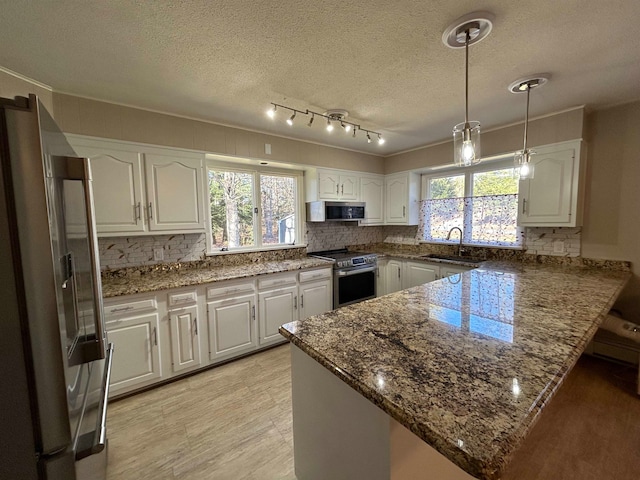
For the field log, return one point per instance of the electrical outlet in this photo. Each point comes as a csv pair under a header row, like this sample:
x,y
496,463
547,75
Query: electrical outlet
x,y
558,246
158,254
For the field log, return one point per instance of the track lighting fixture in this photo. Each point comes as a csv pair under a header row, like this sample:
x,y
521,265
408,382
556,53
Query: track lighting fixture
x,y
522,158
463,32
329,125
337,117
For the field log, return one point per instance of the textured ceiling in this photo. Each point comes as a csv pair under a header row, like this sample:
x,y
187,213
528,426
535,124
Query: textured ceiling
x,y
382,61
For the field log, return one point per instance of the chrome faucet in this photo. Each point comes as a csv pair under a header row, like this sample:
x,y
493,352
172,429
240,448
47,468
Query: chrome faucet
x,y
460,244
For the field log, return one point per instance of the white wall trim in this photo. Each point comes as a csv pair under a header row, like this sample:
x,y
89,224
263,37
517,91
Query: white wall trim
x,y
25,78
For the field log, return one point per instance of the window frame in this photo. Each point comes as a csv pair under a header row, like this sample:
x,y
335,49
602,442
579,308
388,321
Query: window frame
x,y
256,171
501,163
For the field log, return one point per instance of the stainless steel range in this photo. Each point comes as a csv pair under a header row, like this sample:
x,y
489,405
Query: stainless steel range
x,y
354,275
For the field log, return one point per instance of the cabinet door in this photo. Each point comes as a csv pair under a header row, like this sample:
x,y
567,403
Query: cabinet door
x,y
231,324
381,288
418,273
174,190
546,199
450,270
185,344
117,190
348,187
276,308
328,185
136,359
315,298
372,193
393,276
396,195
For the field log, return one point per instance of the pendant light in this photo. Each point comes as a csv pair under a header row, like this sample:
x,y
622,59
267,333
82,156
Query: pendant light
x,y
463,32
522,158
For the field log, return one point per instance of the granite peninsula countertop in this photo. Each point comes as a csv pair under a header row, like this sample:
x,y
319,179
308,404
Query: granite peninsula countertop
x,y
155,280
468,362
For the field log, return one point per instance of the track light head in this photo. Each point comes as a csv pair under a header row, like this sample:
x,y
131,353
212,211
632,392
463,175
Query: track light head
x,y
347,127
354,132
380,140
368,138
290,120
329,125
311,120
272,112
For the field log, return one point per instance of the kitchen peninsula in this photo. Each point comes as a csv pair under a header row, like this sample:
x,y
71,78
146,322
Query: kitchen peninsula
x,y
460,369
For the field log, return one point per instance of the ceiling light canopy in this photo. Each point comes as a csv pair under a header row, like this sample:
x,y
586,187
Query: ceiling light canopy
x,y
332,116
466,31
522,158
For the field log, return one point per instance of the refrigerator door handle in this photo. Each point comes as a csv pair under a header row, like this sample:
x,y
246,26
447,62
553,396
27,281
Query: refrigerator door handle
x,y
99,435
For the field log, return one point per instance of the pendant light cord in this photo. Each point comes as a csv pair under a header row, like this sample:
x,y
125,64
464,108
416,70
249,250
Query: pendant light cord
x,y
526,121
466,77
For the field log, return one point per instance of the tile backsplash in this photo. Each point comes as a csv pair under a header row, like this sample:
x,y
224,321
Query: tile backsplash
x,y
121,252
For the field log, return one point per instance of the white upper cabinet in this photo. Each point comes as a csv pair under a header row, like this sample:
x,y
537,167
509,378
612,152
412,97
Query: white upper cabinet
x,y
402,199
174,188
140,189
553,197
333,185
323,184
372,193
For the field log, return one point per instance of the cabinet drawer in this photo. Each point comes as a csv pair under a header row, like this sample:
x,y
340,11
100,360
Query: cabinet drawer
x,y
220,291
315,275
279,281
184,298
130,307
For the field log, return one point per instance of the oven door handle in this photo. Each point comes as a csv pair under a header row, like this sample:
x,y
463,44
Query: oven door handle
x,y
346,273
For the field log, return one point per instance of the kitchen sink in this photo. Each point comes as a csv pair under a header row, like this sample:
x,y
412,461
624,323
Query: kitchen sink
x,y
453,258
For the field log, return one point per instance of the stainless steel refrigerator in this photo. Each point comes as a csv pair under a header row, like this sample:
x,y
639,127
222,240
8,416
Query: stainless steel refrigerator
x,y
54,360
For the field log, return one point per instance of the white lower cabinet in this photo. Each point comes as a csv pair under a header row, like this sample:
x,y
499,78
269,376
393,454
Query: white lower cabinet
x,y
381,288
418,273
164,334
232,329
397,274
136,358
393,276
185,340
316,294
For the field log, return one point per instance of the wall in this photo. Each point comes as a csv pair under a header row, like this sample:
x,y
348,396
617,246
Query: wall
x,y
612,212
542,131
101,119
13,84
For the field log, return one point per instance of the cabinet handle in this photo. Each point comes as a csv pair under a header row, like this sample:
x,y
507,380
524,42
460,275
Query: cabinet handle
x,y
404,210
155,336
195,325
524,202
137,212
302,301
338,189
122,309
398,273
182,300
342,189
295,302
150,211
253,313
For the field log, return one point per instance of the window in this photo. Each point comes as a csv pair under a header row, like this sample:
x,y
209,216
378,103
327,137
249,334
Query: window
x,y
482,201
252,209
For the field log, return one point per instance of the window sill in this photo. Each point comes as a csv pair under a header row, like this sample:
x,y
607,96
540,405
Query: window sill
x,y
213,253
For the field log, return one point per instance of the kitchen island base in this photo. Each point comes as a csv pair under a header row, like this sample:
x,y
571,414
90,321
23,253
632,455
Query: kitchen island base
x,y
339,434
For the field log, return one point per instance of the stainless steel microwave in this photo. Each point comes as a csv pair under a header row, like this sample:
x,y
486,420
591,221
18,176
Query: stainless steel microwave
x,y
322,211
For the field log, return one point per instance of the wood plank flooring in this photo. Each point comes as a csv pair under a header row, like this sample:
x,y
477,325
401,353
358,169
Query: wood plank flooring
x,y
234,422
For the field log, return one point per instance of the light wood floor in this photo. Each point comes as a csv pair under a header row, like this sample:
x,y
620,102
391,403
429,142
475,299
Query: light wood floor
x,y
234,422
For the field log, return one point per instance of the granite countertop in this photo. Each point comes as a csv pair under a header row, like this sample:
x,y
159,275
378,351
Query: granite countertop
x,y
136,282
466,364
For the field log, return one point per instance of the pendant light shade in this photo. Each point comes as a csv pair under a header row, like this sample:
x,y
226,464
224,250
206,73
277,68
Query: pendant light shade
x,y
523,166
466,135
